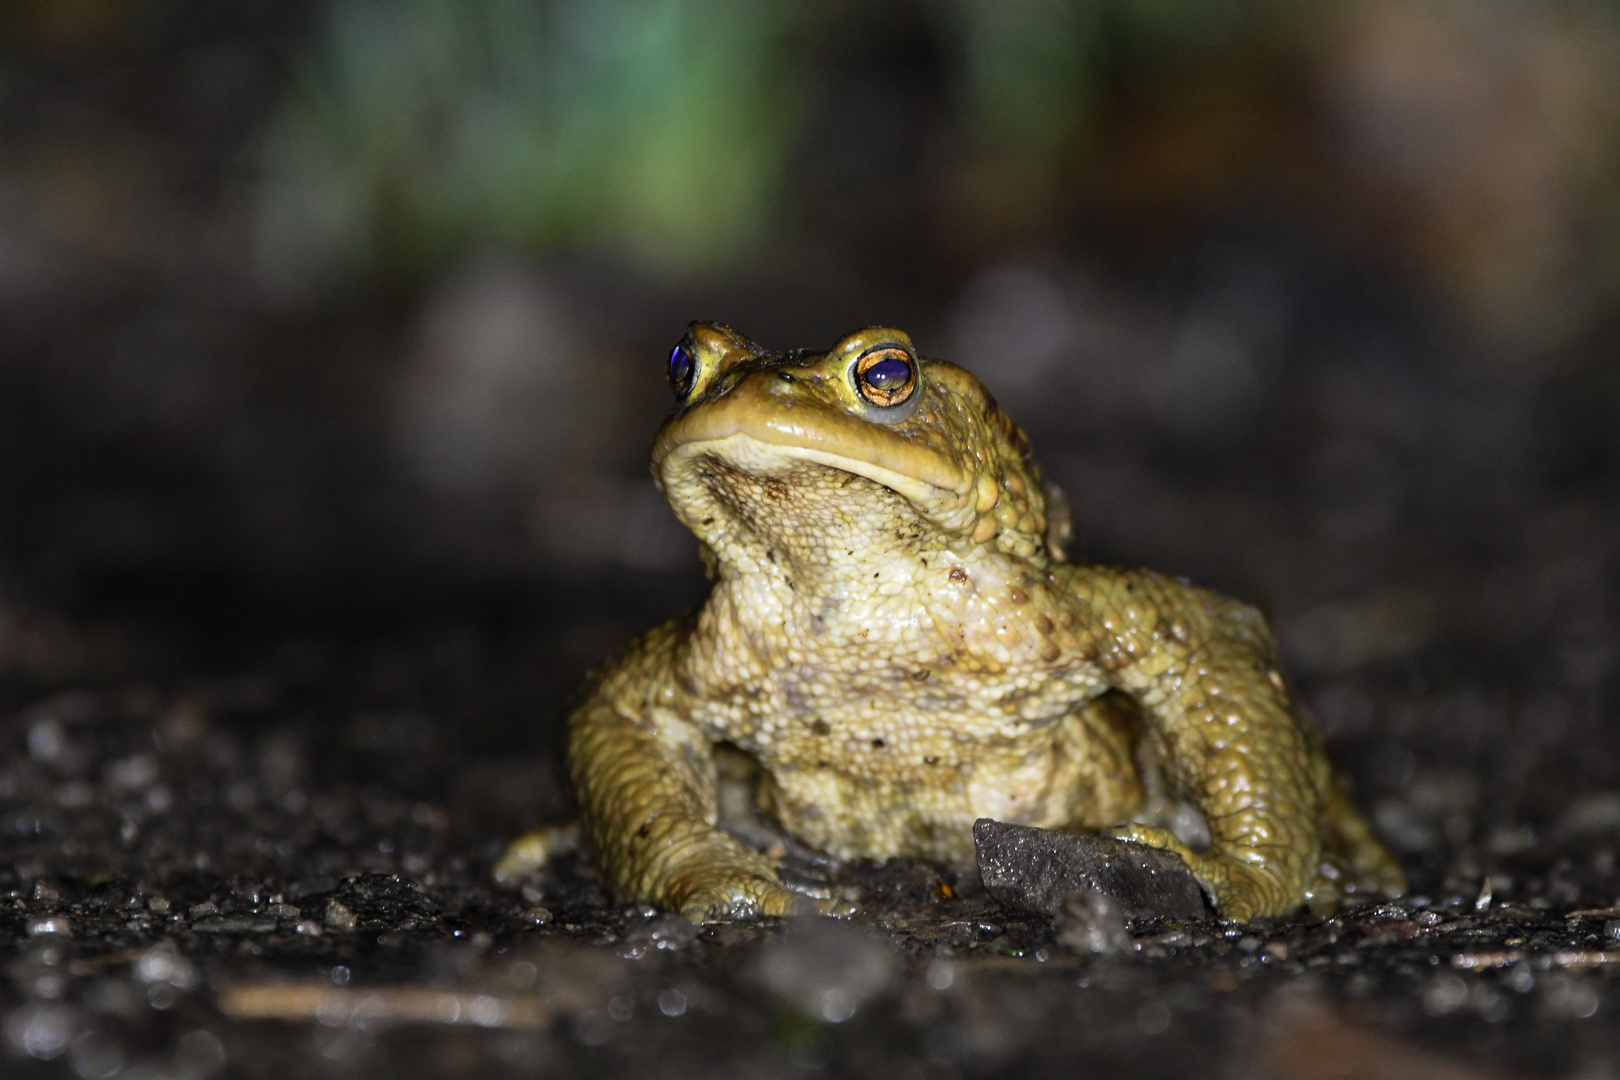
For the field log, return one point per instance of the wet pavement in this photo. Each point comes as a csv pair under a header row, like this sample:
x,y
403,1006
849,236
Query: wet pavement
x,y
283,873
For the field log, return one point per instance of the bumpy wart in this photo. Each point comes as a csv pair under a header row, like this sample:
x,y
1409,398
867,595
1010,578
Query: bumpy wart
x,y
896,637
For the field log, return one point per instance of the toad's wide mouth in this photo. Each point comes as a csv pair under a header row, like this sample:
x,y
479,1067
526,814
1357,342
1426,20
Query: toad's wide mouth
x,y
771,437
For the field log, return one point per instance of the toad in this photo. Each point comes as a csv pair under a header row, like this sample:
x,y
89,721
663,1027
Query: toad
x,y
898,636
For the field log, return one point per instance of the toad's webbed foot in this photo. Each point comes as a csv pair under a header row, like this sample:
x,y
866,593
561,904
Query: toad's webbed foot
x,y
1243,889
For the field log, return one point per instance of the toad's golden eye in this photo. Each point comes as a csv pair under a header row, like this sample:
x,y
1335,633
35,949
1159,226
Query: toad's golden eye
x,y
886,376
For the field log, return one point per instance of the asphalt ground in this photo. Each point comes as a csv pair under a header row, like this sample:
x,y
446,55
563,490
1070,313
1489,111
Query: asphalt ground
x,y
285,871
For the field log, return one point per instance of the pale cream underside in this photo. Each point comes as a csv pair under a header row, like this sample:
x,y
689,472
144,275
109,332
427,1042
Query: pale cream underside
x,y
899,704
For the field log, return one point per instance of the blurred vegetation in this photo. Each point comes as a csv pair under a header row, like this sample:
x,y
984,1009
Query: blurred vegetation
x,y
424,128
1033,80
658,128
1475,142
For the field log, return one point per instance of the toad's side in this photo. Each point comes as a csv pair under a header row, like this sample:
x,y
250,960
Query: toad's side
x,y
894,635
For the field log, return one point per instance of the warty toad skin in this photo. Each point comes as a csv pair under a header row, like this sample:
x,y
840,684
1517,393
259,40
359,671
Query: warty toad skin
x,y
896,637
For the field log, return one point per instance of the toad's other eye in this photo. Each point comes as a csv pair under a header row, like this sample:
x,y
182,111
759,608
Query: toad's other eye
x,y
681,369
886,376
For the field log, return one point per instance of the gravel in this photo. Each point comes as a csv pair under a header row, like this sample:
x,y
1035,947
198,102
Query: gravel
x,y
219,877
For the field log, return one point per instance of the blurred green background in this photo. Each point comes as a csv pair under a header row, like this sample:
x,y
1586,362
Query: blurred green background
x,y
1471,144
352,314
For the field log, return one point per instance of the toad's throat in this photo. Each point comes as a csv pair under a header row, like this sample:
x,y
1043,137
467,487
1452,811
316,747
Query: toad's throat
x,y
687,473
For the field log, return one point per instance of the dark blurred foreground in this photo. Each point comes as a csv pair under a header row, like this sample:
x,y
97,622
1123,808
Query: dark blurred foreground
x,y
330,344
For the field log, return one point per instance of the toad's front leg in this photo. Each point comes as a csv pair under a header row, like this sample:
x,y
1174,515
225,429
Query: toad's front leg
x,y
1204,671
645,779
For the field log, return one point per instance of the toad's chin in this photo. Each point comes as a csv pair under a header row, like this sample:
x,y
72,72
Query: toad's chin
x,y
773,512
686,471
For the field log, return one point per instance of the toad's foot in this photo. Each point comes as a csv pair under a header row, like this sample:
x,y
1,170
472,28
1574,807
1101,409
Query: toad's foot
x,y
1382,877
1242,890
1361,863
1339,878
708,876
726,885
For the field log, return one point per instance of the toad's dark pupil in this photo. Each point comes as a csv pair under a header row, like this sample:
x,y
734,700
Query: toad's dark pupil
x,y
887,375
680,369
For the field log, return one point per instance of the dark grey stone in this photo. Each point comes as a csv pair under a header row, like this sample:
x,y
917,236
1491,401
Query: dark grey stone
x,y
1036,870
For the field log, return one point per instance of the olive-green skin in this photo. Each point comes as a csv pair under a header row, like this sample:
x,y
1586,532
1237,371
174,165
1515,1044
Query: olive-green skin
x,y
895,635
